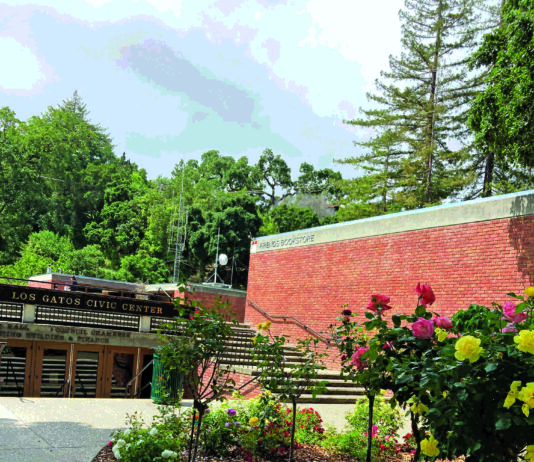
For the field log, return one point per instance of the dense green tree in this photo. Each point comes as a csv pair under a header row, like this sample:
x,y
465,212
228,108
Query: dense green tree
x,y
286,218
502,116
65,144
324,181
143,267
276,183
19,184
423,100
121,224
47,249
236,219
226,173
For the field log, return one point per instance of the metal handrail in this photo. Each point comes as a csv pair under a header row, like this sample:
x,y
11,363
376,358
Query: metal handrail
x,y
129,384
149,384
20,391
62,387
296,320
80,381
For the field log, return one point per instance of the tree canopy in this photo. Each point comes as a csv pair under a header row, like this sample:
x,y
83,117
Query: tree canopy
x,y
451,118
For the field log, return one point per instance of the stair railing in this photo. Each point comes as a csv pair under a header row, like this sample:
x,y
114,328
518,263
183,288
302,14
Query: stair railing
x,y
9,367
129,384
80,381
295,320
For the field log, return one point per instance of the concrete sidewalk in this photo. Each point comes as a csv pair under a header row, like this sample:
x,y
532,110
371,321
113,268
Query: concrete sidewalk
x,y
74,430
62,430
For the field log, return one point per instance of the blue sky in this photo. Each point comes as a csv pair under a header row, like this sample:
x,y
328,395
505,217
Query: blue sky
x,y
171,79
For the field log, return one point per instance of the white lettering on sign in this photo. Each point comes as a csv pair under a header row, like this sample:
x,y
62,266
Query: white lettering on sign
x,y
286,242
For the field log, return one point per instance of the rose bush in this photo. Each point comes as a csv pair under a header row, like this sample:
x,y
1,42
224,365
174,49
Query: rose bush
x,y
468,381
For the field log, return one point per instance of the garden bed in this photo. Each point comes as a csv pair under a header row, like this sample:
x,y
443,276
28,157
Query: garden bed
x,y
305,453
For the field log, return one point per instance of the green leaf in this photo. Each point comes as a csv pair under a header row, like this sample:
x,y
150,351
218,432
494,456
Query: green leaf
x,y
420,311
491,367
396,320
503,423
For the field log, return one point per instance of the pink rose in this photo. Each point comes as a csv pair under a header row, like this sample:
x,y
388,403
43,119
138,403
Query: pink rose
x,y
423,328
509,328
357,358
426,294
508,310
443,322
378,303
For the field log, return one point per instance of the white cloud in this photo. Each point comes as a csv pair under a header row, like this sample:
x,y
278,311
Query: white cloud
x,y
362,31
21,70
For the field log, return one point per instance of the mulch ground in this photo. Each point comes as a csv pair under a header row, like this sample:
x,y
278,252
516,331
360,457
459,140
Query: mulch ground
x,y
305,453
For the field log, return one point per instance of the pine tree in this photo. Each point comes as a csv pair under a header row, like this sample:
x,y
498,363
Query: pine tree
x,y
423,100
376,192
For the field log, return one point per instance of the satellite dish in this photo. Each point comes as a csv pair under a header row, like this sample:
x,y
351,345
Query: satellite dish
x,y
223,259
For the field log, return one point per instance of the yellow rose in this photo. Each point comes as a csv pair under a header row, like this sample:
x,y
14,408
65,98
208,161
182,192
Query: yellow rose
x,y
468,347
445,394
264,325
429,447
253,421
529,292
419,408
530,453
512,394
526,394
442,335
525,341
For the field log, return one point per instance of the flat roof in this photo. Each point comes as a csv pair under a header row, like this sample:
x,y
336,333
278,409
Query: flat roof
x,y
478,210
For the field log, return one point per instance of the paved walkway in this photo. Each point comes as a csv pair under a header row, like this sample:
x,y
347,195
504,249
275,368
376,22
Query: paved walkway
x,y
74,430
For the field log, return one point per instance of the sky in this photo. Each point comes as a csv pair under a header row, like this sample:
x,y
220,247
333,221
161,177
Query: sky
x,y
171,79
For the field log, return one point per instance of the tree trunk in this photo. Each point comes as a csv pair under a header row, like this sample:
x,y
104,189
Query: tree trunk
x,y
433,104
488,174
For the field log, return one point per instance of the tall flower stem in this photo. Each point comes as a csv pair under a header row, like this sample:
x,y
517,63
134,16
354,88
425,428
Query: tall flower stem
x,y
371,398
293,424
191,437
200,414
416,435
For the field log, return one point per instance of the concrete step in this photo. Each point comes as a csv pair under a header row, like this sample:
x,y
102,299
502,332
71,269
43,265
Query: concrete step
x,y
330,399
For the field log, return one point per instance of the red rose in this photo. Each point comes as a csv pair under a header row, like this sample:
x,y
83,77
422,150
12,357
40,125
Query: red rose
x,y
379,303
426,294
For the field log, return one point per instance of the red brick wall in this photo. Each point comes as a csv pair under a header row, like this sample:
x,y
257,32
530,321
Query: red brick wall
x,y
468,263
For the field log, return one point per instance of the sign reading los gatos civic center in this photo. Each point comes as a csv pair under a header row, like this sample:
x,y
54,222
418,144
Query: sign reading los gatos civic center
x,y
86,301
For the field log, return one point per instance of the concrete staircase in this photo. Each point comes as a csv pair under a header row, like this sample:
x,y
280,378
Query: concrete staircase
x,y
238,357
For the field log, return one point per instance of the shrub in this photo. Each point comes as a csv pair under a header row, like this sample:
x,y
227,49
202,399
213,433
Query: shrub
x,y
164,440
353,440
270,434
223,428
309,427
